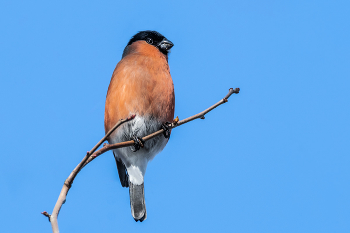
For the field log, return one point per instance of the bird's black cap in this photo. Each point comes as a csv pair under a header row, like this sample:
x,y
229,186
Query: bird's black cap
x,y
153,38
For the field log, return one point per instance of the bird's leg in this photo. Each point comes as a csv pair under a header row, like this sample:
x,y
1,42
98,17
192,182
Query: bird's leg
x,y
138,143
165,127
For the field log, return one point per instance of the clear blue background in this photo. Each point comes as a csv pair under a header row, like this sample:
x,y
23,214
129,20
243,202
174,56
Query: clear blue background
x,y
275,158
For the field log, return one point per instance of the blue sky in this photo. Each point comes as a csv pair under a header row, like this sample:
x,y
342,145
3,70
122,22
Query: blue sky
x,y
275,158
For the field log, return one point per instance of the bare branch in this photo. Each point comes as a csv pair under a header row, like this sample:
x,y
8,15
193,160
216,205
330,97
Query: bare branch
x,y
175,124
92,154
68,183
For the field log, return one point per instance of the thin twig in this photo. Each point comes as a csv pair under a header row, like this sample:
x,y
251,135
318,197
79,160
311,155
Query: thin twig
x,y
174,124
92,154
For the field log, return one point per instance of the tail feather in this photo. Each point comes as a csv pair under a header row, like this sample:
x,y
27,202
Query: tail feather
x,y
123,175
137,202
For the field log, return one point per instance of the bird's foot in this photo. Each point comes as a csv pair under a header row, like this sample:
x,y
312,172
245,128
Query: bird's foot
x,y
165,127
138,143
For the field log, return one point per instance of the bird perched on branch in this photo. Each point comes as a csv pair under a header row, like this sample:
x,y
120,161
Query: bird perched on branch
x,y
141,84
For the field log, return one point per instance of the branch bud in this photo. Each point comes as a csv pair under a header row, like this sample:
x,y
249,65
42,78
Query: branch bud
x,y
176,120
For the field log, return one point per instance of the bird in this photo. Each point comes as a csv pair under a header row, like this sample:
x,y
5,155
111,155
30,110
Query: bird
x,y
141,85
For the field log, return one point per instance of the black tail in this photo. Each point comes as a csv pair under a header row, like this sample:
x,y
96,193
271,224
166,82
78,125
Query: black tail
x,y
123,175
137,201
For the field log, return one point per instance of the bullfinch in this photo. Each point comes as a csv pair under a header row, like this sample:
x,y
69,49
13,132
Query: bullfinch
x,y
141,84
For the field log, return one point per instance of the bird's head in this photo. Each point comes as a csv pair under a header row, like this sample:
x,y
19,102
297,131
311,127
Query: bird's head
x,y
153,38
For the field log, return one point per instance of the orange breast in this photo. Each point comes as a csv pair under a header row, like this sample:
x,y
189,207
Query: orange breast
x,y
141,84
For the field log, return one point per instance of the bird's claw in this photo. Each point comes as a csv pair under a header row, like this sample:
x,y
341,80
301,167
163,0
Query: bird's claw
x,y
138,143
165,127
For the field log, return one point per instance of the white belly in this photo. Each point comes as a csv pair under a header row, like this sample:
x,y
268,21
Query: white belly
x,y
136,162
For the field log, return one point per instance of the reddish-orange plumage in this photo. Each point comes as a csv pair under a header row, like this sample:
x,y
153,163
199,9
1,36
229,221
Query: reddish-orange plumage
x,y
141,84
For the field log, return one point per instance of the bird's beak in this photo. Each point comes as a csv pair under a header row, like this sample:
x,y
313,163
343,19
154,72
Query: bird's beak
x,y
165,45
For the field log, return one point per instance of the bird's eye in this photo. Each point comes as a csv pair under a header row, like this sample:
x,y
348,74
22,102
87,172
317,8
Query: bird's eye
x,y
149,41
